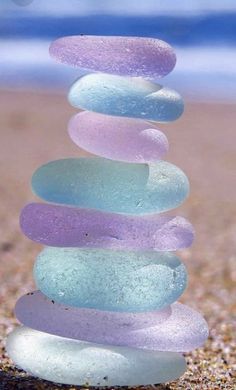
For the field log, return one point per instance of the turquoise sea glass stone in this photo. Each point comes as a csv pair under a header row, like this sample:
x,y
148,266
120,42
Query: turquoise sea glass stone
x,y
127,97
102,184
75,362
110,280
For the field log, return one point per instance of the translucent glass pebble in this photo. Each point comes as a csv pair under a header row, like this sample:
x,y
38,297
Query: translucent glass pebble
x,y
63,226
102,184
126,97
38,312
110,280
116,138
177,328
125,56
74,362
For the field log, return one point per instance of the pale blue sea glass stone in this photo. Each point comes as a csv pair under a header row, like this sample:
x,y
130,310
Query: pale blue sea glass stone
x,y
126,96
75,362
102,184
110,280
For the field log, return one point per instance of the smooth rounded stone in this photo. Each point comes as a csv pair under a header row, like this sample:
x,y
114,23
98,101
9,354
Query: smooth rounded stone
x,y
126,97
110,280
63,226
116,138
113,186
38,312
124,56
178,328
73,362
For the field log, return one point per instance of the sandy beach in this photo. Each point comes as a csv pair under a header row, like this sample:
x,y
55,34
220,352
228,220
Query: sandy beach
x,y
202,143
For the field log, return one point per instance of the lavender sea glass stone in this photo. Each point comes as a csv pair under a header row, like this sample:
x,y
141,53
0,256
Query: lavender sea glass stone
x,y
178,328
124,56
110,280
113,186
63,226
126,97
75,362
116,138
42,313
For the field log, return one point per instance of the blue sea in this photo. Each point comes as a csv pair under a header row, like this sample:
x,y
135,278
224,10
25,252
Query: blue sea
x,y
203,34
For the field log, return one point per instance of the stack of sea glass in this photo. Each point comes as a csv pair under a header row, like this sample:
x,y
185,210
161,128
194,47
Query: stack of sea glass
x,y
104,313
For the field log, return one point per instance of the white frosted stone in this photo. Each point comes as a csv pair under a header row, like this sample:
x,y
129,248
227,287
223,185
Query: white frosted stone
x,y
74,362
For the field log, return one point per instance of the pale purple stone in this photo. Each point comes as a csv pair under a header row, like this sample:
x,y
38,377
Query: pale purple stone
x,y
63,226
117,138
178,328
124,56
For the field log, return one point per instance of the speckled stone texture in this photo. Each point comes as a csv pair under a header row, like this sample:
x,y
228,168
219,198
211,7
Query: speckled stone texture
x,y
112,186
110,280
116,138
126,97
178,328
125,56
63,226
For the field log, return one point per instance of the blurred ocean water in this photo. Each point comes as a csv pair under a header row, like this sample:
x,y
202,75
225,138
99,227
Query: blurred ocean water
x,y
202,32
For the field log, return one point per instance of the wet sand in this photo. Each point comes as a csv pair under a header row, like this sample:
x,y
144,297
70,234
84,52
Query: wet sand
x,y
202,143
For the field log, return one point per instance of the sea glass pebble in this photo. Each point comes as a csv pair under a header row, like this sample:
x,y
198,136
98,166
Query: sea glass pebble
x,y
110,280
125,56
75,362
103,184
116,138
126,97
38,312
63,226
178,328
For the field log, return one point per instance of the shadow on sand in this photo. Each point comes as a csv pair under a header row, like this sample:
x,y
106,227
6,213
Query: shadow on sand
x,y
16,379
